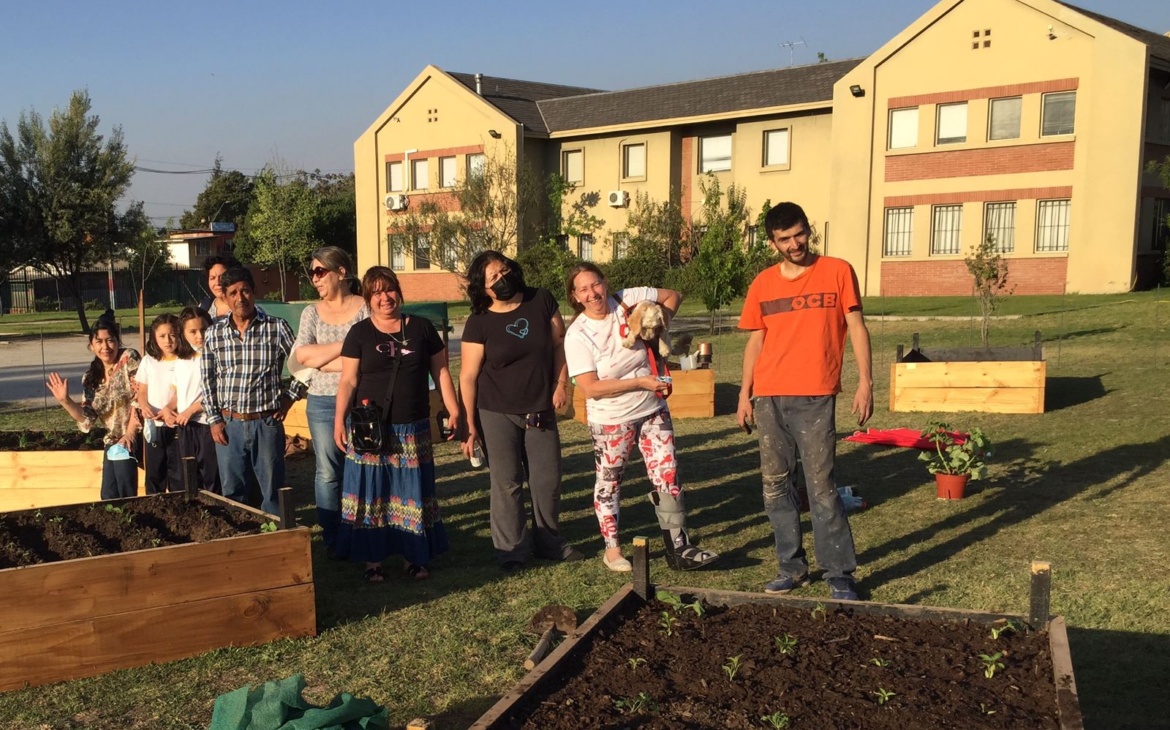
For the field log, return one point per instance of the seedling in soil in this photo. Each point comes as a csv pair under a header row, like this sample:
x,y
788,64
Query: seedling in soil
x,y
667,623
634,661
786,644
818,610
1010,627
676,602
636,705
268,527
883,695
984,710
777,720
991,663
113,508
732,667
877,661
22,439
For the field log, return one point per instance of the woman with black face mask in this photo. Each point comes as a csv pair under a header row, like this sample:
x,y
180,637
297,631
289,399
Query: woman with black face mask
x,y
512,377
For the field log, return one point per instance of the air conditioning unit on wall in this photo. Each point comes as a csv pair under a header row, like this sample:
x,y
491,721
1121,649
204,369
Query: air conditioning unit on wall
x,y
619,198
394,201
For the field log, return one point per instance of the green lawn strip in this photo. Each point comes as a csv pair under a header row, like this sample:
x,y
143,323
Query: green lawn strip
x,y
1085,485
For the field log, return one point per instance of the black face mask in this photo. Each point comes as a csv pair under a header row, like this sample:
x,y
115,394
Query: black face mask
x,y
507,286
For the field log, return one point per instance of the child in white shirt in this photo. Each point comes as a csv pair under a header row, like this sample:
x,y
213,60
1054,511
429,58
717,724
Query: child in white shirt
x,y
157,401
194,433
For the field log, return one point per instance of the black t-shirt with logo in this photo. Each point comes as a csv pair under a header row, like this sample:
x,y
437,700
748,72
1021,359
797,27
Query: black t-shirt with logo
x,y
517,374
378,351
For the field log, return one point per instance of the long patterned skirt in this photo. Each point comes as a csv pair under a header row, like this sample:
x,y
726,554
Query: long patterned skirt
x,y
388,503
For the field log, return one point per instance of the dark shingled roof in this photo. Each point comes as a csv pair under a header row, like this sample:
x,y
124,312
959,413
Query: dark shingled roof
x,y
518,98
742,92
1159,45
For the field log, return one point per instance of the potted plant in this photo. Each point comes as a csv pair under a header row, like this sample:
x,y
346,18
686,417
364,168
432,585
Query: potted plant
x,y
955,459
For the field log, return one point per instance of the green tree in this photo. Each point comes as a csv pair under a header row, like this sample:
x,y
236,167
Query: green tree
x,y
280,222
63,182
226,198
145,253
720,264
989,270
335,223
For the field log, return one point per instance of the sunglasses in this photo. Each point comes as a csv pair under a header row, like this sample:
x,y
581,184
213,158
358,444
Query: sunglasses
x,y
319,271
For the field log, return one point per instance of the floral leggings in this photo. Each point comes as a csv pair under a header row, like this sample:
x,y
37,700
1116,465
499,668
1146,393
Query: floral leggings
x,y
612,445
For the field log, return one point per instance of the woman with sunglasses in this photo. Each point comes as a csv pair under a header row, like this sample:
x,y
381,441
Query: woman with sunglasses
x,y
511,377
324,325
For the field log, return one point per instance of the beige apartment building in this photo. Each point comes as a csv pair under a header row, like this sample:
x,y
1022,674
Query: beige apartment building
x,y
1027,120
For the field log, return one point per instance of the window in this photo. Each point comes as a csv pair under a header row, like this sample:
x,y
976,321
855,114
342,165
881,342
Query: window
x,y
563,241
775,147
899,231
573,166
1057,115
446,172
634,161
903,128
715,153
397,244
419,179
475,165
422,251
999,222
394,177
1004,118
1159,126
1161,224
952,123
585,247
1052,225
946,230
621,245
450,254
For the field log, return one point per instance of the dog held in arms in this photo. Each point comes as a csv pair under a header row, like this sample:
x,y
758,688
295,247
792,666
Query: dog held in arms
x,y
647,322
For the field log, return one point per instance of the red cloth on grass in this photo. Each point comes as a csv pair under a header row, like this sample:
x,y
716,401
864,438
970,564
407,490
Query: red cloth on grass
x,y
905,437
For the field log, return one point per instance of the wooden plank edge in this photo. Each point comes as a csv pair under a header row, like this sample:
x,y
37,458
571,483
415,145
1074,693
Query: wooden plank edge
x,y
1068,705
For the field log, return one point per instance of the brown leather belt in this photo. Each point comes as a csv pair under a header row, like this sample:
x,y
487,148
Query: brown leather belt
x,y
246,416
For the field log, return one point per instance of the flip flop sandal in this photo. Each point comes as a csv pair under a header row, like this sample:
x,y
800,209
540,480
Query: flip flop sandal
x,y
375,575
418,572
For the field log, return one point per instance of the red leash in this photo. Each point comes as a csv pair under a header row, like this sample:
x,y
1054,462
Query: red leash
x,y
624,330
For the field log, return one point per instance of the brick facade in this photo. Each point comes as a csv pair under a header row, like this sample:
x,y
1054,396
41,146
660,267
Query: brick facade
x,y
950,277
984,92
970,163
979,196
438,286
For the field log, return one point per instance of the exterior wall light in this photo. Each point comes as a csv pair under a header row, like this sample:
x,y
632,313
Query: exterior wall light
x,y
857,91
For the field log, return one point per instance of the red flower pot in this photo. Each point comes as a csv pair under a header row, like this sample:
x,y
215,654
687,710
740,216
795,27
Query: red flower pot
x,y
951,486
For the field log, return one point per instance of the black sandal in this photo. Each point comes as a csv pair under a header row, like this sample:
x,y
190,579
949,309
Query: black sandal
x,y
375,574
418,572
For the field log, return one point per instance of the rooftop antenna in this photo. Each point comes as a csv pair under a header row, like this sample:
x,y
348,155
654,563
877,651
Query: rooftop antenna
x,y
792,44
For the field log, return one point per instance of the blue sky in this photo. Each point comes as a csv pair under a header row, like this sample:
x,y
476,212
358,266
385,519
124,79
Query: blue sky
x,y
299,80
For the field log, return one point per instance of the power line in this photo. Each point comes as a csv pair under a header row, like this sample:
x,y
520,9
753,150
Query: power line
x,y
174,172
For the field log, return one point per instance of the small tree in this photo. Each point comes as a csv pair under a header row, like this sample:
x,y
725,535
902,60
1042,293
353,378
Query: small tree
x,y
989,270
280,222
145,254
720,264
226,198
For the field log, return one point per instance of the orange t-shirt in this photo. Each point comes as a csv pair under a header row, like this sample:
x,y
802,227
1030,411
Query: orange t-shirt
x,y
804,324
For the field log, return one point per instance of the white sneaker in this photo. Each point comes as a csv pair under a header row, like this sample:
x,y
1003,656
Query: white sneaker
x,y
621,565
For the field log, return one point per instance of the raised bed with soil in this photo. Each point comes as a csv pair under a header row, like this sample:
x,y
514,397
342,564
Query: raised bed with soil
x,y
49,468
92,588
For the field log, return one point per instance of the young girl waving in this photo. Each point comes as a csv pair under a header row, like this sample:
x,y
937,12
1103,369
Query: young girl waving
x,y
159,404
194,433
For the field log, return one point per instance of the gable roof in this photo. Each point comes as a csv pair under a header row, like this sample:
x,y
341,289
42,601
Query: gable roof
x,y
741,92
1159,45
518,99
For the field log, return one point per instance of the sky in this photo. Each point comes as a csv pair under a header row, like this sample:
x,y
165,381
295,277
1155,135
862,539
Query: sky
x,y
298,82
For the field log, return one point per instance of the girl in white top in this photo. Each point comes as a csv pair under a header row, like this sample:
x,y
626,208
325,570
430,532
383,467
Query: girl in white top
x,y
194,433
159,404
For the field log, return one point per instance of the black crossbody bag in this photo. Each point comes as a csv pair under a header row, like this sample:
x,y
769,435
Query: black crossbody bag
x,y
369,433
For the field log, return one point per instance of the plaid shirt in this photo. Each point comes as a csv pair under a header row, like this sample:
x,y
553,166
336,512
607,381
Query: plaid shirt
x,y
242,373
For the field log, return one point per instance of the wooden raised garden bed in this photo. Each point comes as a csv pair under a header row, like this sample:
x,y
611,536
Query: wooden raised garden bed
x,y
68,470
69,618
693,396
991,380
752,661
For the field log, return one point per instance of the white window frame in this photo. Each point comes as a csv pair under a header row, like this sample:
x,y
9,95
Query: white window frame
x,y
1053,218
1006,113
585,246
946,230
903,132
777,147
571,159
422,251
394,182
898,235
420,168
621,245
712,155
447,172
397,245
1055,127
950,125
630,161
476,164
999,220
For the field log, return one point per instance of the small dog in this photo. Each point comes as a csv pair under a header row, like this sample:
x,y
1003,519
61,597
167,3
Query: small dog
x,y
647,322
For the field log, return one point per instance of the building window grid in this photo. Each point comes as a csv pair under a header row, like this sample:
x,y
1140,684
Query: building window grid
x,y
776,147
1058,113
634,161
419,174
715,153
585,247
397,244
446,172
1003,118
422,251
899,234
394,177
621,245
903,128
999,222
1052,224
946,230
573,166
951,124
476,162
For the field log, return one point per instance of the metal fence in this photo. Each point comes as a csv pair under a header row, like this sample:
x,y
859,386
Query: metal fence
x,y
27,290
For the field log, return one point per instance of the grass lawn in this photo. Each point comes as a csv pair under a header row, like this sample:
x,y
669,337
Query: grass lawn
x,y
1086,485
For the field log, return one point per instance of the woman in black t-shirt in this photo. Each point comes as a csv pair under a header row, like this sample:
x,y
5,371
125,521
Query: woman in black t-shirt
x,y
512,376
388,503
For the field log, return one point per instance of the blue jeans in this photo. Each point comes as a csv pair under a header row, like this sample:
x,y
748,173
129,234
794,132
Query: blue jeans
x,y
807,424
119,478
319,411
253,457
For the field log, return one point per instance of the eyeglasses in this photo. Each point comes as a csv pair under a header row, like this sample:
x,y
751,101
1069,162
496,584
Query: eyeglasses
x,y
318,271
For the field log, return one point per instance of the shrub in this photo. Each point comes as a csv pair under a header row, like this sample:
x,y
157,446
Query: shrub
x,y
635,271
545,265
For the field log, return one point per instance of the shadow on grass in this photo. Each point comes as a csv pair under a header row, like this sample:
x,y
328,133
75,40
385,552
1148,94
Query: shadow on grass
x,y
1066,392
1118,674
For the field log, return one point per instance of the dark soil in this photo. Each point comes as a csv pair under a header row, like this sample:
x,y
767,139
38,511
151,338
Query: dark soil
x,y
829,680
51,440
80,531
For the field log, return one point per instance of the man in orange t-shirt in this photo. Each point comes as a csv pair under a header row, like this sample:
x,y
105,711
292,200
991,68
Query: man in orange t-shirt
x,y
799,313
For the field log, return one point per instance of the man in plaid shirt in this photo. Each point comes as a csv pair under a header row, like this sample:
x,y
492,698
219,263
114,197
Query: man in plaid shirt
x,y
242,361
